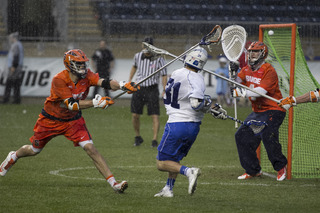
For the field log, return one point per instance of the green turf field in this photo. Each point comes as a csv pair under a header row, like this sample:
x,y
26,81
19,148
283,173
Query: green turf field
x,y
62,178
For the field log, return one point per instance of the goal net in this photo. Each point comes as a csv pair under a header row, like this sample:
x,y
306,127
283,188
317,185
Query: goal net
x,y
299,133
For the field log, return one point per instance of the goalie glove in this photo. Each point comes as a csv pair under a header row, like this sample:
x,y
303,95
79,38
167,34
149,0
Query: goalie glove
x,y
238,92
287,102
102,102
129,87
314,95
218,112
233,69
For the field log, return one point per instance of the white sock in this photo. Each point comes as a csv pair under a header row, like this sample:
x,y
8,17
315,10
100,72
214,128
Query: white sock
x,y
187,172
111,180
14,156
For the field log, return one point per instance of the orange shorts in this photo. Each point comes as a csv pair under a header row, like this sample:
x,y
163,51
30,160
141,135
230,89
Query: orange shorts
x,y
46,129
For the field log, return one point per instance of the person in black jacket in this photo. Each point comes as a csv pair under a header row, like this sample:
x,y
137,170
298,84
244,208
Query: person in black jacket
x,y
15,63
103,63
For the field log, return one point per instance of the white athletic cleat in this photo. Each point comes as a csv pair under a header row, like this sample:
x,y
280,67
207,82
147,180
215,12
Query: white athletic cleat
x,y
246,176
120,187
165,192
193,177
7,164
282,174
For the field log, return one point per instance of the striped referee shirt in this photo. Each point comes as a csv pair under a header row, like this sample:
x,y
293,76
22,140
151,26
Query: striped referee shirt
x,y
145,66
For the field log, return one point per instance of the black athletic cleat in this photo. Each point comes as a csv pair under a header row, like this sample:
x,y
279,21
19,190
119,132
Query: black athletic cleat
x,y
154,143
138,141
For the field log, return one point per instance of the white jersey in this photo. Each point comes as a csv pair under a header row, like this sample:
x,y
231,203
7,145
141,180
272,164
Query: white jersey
x,y
183,85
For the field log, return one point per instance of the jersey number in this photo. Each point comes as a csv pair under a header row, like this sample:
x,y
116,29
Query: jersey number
x,y
172,98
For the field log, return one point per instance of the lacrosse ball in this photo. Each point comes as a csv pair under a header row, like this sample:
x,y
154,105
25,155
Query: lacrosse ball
x,y
24,111
270,32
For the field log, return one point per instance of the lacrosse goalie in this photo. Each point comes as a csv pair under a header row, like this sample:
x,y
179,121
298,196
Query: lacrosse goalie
x,y
186,104
264,79
288,102
62,115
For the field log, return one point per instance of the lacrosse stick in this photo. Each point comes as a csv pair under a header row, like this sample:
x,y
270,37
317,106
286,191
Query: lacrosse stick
x,y
233,43
165,52
256,126
211,38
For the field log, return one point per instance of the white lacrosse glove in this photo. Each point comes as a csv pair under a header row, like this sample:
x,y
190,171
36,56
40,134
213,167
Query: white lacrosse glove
x,y
102,102
238,92
218,112
207,103
288,102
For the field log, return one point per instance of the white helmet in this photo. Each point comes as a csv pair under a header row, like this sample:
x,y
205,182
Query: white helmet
x,y
197,58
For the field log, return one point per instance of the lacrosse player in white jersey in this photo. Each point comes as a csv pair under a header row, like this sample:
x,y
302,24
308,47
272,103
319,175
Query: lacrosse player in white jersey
x,y
186,104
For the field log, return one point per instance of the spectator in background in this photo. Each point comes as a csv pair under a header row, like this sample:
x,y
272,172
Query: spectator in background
x,y
103,63
222,88
15,63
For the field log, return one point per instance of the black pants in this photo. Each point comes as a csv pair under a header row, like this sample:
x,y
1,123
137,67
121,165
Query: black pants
x,y
146,96
247,142
15,83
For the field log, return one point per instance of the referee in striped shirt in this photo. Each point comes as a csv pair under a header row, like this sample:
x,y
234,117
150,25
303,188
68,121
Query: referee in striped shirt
x,y
144,65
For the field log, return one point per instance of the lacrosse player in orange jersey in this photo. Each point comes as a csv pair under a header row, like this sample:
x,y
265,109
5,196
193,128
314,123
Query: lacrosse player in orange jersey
x,y
61,114
263,78
312,96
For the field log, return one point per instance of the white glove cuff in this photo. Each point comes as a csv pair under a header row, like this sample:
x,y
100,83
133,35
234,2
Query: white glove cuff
x,y
96,100
121,84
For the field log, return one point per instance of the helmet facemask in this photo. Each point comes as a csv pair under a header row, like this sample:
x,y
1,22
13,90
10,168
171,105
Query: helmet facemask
x,y
80,69
256,60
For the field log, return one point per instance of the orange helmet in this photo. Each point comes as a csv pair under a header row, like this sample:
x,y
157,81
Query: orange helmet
x,y
76,62
257,46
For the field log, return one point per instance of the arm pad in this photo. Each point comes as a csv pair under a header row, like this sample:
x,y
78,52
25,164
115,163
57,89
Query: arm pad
x,y
72,104
258,89
201,104
196,103
106,84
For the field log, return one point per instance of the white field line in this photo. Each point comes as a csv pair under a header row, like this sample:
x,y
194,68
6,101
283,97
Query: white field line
x,y
59,172
269,175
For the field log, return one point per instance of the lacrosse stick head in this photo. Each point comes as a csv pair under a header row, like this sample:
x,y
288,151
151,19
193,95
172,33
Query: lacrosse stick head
x,y
256,126
233,41
212,38
156,52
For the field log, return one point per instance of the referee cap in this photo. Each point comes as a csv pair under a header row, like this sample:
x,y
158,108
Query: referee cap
x,y
148,40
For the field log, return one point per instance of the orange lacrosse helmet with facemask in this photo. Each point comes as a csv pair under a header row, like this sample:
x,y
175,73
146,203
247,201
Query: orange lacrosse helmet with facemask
x,y
257,46
76,62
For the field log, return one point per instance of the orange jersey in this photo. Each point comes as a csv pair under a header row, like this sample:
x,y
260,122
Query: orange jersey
x,y
265,77
62,87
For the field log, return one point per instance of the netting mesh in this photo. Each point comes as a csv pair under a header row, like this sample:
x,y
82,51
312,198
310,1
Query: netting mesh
x,y
233,41
306,146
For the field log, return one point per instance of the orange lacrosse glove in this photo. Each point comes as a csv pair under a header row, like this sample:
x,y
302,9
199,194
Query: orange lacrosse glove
x,y
129,87
102,102
287,102
314,95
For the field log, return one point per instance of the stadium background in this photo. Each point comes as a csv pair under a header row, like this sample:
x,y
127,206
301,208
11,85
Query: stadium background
x,y
50,27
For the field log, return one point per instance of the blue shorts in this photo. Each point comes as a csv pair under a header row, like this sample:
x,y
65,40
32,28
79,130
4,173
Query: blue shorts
x,y
177,140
